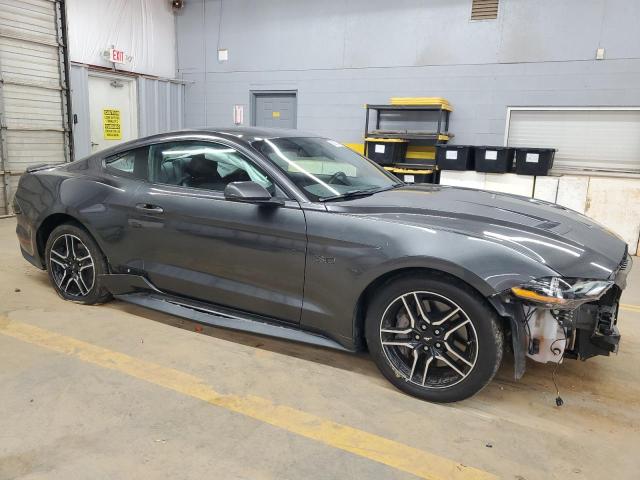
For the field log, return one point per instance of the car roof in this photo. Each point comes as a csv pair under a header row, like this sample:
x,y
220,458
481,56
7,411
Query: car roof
x,y
245,135
256,132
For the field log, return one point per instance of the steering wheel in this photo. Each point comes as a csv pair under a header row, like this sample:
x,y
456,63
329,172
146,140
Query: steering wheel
x,y
339,177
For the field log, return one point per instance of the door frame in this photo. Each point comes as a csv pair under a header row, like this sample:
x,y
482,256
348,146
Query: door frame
x,y
129,80
254,94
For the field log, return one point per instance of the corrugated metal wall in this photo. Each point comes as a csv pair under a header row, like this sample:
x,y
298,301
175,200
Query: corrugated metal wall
x,y
33,104
159,106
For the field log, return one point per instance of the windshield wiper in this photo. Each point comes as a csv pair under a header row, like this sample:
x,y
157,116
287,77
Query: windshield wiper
x,y
359,193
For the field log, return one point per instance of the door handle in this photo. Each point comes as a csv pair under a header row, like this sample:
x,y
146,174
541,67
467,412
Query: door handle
x,y
147,207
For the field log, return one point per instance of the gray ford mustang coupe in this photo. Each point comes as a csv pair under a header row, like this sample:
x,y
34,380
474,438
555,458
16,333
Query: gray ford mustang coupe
x,y
293,235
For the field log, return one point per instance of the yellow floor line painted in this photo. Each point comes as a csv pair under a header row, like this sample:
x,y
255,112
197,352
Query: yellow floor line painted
x,y
630,308
373,447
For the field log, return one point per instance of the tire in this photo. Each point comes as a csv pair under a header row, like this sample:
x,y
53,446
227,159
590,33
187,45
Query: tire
x,y
454,348
74,263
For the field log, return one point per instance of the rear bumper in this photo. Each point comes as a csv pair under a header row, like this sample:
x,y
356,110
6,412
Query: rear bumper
x,y
34,260
27,237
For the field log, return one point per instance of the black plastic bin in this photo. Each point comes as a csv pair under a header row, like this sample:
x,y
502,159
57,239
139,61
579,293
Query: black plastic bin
x,y
386,151
415,177
455,157
413,173
494,159
534,161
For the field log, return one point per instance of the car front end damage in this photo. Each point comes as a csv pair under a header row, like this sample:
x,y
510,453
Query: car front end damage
x,y
555,318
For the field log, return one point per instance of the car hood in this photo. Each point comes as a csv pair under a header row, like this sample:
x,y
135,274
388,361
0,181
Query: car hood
x,y
564,240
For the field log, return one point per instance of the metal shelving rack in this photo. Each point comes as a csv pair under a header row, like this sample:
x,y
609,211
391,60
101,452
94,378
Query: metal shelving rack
x,y
441,135
438,106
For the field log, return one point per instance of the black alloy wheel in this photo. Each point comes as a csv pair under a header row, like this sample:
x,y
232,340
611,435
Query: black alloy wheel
x,y
434,337
75,263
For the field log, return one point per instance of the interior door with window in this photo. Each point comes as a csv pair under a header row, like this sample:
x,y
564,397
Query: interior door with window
x,y
198,244
112,111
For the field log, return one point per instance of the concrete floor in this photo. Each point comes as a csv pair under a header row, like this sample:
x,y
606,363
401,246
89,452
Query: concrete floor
x,y
69,412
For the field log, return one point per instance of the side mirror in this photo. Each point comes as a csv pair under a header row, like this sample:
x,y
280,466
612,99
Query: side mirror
x,y
250,192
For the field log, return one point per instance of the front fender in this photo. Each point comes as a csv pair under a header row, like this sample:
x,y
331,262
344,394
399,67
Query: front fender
x,y
348,253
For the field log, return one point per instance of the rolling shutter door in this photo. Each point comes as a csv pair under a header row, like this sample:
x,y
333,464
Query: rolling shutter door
x,y
586,139
33,104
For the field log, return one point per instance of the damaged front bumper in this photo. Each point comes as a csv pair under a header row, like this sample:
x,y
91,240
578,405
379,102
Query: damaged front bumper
x,y
594,326
594,329
548,335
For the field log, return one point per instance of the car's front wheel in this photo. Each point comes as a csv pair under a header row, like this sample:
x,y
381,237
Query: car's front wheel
x,y
434,337
74,263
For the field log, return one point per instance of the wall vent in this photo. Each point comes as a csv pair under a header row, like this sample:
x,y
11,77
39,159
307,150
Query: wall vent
x,y
484,9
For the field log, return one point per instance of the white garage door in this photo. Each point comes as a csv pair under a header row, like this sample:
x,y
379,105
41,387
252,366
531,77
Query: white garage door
x,y
32,98
593,139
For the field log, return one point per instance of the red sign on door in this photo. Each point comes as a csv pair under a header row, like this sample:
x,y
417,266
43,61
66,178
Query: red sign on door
x,y
116,56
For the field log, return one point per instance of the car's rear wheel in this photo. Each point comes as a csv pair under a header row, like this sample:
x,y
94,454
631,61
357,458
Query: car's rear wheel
x,y
75,263
434,337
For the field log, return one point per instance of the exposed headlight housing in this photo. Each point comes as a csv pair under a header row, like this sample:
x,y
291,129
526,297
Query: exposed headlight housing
x,y
561,293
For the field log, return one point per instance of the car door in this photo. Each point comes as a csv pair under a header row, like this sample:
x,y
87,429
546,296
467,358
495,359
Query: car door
x,y
197,244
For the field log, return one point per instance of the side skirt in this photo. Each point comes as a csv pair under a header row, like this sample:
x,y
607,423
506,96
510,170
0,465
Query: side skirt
x,y
225,318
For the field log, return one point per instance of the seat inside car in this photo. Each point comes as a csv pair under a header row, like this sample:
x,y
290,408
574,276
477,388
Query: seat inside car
x,y
203,173
172,170
200,172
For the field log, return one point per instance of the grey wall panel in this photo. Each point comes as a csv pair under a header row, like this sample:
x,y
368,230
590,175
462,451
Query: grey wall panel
x,y
176,101
195,100
80,103
305,34
191,26
162,115
551,31
147,107
480,95
160,106
620,33
340,55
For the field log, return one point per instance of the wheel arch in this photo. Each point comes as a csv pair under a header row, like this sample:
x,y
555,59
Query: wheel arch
x,y
48,225
360,311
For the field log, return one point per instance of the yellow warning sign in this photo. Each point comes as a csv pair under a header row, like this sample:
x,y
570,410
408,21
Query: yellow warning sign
x,y
111,124
275,114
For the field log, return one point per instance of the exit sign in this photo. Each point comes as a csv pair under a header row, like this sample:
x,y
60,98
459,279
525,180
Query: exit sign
x,y
116,56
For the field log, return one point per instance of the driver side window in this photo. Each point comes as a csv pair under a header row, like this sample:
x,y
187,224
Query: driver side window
x,y
205,165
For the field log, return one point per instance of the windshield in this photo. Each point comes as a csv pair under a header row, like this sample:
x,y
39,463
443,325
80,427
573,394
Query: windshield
x,y
323,168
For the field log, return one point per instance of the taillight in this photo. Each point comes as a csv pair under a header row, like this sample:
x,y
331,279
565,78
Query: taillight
x,y
16,207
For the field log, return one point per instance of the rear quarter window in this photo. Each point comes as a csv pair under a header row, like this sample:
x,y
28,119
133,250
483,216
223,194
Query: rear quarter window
x,y
132,163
